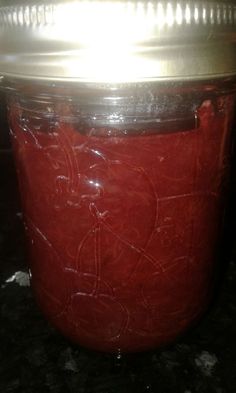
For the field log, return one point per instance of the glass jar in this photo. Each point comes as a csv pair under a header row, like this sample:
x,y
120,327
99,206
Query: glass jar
x,y
123,187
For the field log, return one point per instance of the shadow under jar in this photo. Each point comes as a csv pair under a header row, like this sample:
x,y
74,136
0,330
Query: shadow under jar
x,y
123,188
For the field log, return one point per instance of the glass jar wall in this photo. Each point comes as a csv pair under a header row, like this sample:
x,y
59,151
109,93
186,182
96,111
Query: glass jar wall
x,y
123,193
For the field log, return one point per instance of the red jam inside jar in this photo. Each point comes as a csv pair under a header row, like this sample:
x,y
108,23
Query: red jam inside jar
x,y
122,193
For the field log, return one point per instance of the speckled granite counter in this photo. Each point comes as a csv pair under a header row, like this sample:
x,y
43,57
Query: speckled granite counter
x,y
35,358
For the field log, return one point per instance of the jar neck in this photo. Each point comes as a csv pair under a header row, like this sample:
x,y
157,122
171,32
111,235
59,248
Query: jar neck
x,y
113,110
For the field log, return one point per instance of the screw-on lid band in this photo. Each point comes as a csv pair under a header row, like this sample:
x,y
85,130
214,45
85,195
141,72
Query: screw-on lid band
x,y
118,41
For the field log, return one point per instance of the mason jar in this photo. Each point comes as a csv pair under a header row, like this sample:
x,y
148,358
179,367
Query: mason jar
x,y
121,118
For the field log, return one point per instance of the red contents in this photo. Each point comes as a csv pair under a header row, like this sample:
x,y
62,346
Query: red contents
x,y
123,229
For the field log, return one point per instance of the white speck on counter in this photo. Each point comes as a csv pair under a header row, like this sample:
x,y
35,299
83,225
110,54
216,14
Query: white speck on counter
x,y
206,362
21,278
70,363
71,366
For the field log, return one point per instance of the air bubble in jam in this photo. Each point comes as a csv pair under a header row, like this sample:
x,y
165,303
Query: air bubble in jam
x,y
123,221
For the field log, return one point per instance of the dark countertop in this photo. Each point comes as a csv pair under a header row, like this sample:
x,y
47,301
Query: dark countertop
x,y
35,358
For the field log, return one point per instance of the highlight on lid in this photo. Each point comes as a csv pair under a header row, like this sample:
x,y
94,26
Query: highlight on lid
x,y
159,13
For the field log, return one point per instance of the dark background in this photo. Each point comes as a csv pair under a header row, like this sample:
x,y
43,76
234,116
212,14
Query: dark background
x,y
35,358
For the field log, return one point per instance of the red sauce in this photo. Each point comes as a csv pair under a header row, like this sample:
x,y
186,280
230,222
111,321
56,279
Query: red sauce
x,y
122,229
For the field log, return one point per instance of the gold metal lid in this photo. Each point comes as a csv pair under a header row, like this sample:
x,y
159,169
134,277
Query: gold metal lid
x,y
118,41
